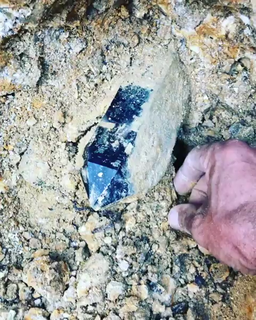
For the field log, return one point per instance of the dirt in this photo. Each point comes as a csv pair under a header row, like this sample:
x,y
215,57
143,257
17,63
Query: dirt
x,y
59,64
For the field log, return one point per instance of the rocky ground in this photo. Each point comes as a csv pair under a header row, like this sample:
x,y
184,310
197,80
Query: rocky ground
x,y
58,59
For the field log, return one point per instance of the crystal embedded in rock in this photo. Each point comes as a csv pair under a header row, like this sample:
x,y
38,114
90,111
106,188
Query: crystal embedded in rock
x,y
106,174
133,144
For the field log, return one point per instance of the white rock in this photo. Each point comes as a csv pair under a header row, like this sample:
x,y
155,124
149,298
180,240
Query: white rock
x,y
157,307
131,305
31,121
95,296
169,284
245,19
59,314
112,316
130,221
14,158
93,240
108,240
11,19
190,315
32,168
11,315
92,274
70,295
141,291
3,274
24,292
114,290
192,289
203,250
4,315
36,314
123,265
68,183
58,119
72,131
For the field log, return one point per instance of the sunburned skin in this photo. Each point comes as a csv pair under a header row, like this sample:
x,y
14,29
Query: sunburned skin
x,y
221,213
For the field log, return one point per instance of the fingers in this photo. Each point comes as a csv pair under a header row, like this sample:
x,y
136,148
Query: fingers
x,y
193,168
187,218
211,236
178,214
199,193
200,159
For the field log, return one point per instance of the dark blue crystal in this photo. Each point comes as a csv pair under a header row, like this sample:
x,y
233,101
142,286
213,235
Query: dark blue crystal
x,y
105,172
103,149
127,104
199,280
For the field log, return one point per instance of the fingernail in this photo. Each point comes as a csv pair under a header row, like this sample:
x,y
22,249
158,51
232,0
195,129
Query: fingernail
x,y
203,250
174,219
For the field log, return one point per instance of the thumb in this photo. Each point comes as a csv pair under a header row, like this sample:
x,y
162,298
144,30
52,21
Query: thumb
x,y
187,218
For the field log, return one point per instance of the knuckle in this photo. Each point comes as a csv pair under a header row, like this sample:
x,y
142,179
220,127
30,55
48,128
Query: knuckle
x,y
250,260
233,148
234,145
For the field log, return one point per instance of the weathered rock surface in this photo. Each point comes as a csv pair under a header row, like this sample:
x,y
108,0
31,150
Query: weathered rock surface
x,y
93,231
47,277
32,167
92,275
114,289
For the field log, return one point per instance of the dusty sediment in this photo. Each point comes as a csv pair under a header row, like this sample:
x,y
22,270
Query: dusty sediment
x,y
59,65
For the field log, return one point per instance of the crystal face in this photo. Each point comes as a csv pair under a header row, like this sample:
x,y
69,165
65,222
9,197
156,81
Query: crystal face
x,y
105,172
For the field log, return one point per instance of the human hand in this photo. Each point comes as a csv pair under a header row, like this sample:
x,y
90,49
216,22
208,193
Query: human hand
x,y
221,213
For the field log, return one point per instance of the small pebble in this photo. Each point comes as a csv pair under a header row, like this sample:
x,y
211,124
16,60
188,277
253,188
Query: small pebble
x,y
37,302
190,315
34,243
114,290
199,280
141,291
31,121
123,265
12,291
124,12
36,314
203,250
192,289
219,271
36,295
131,305
180,308
24,292
11,315
60,314
92,274
215,296
3,186
158,307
